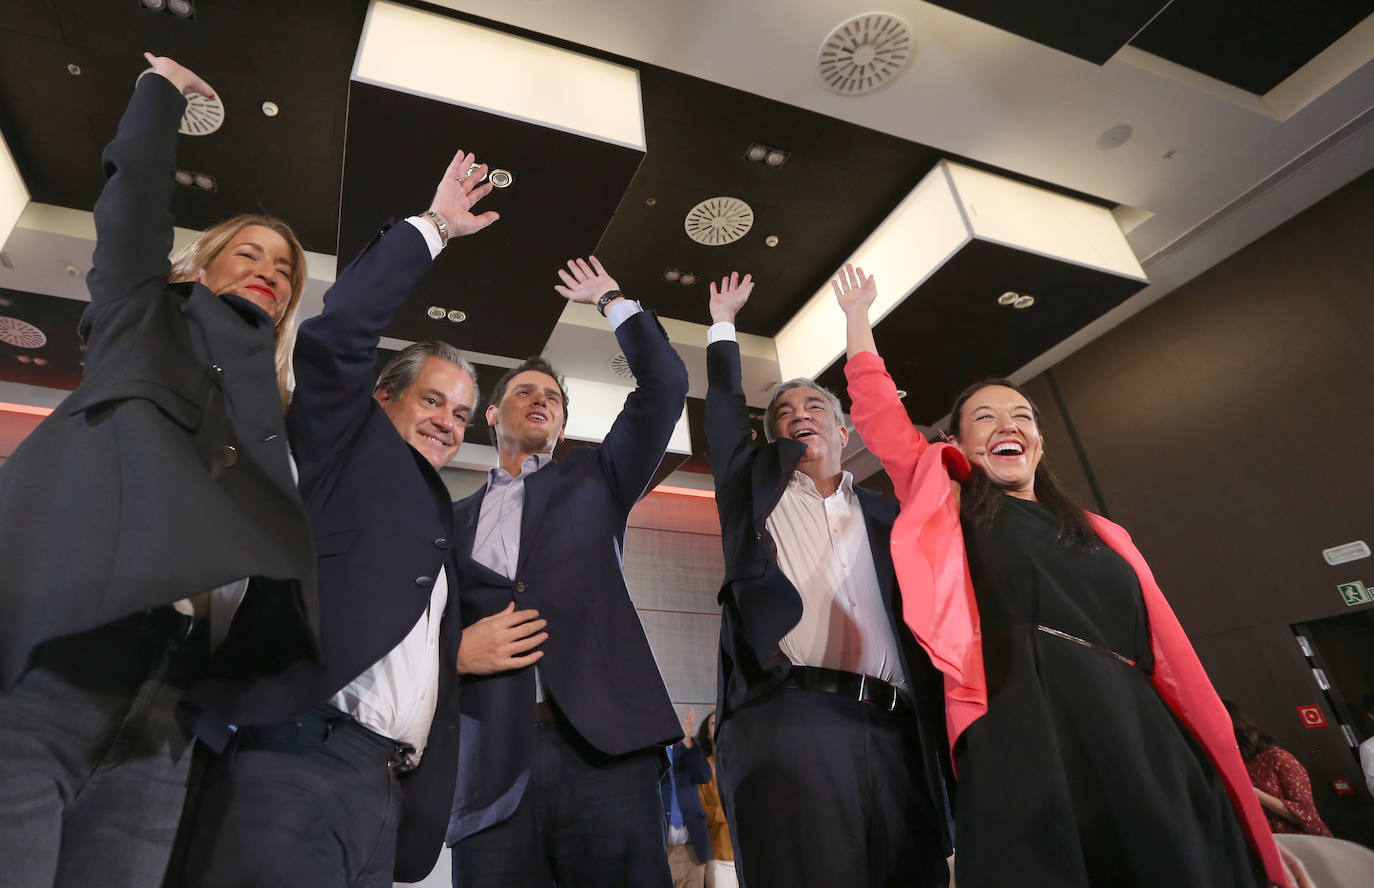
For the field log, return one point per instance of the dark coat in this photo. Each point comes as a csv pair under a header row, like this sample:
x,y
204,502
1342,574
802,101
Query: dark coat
x,y
597,663
383,528
690,769
165,474
759,604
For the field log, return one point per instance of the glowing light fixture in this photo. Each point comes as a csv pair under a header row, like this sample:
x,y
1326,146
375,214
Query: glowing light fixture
x,y
14,196
950,207
413,50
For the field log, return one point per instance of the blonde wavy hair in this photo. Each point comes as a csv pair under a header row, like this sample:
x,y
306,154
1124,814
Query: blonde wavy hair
x,y
201,251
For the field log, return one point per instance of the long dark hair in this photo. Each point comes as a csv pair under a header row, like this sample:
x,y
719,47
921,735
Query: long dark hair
x,y
1249,737
981,500
703,738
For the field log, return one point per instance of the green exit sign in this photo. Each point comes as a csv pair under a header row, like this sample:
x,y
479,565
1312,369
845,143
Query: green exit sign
x,y
1355,593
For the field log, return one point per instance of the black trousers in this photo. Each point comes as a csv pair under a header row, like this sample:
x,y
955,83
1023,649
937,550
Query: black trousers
x,y
823,791
586,820
307,804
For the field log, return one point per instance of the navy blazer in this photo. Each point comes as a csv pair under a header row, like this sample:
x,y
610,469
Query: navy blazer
x,y
690,769
597,663
383,525
759,604
165,474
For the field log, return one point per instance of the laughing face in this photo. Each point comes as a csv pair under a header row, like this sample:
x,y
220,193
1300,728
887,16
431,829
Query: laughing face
x,y
432,412
530,417
256,265
806,415
998,431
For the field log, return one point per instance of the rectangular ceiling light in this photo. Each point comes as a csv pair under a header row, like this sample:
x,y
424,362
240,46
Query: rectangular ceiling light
x,y
593,407
14,196
953,205
439,57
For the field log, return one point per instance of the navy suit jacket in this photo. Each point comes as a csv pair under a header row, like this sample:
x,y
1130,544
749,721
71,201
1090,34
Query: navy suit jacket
x,y
383,523
690,769
759,604
597,663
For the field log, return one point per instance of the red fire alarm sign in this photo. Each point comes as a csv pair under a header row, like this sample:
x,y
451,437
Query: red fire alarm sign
x,y
1312,716
1343,787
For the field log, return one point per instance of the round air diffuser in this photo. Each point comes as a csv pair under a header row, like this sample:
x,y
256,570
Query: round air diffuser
x,y
864,53
718,221
202,116
21,333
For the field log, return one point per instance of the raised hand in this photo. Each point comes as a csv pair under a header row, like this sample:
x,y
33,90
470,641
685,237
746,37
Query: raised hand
x,y
854,290
458,192
505,640
729,297
583,282
184,79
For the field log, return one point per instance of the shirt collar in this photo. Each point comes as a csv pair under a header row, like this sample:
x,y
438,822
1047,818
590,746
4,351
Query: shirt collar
x,y
803,483
532,463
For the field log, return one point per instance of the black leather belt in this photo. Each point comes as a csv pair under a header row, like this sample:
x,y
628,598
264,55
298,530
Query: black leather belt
x,y
864,688
311,730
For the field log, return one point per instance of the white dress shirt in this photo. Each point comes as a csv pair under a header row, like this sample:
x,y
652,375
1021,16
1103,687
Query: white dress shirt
x,y
823,549
397,695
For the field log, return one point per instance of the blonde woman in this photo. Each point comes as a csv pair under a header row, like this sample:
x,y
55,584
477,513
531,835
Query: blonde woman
x,y
164,475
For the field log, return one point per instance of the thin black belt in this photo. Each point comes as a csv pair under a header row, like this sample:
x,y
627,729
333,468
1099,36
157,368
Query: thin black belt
x,y
864,688
1087,644
311,730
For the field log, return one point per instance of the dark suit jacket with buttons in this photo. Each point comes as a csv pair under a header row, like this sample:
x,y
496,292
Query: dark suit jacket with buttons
x,y
165,473
690,769
759,604
597,664
383,523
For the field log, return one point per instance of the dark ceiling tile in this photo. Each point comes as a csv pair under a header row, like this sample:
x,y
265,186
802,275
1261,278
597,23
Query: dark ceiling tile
x,y
1255,46
1093,30
61,354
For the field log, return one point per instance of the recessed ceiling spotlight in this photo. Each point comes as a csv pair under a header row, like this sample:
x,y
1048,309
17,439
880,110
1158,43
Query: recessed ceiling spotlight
x,y
457,316
436,313
154,5
23,359
6,302
42,362
771,240
901,393
205,181
501,178
756,153
184,178
180,8
73,271
776,158
1023,302
1114,137
687,279
672,275
1008,298
473,169
74,70
270,109
649,202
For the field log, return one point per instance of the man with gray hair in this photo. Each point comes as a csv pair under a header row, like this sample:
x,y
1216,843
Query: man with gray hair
x,y
830,716
342,768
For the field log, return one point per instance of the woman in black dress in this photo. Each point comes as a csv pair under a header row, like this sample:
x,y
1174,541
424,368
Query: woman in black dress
x,y
163,476
1089,745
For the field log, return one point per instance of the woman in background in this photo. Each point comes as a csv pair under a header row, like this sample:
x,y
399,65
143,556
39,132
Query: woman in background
x,y
1280,780
720,870
163,476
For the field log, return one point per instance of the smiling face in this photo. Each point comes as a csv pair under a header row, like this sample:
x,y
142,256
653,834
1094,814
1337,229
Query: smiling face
x,y
998,431
432,412
531,414
807,416
256,264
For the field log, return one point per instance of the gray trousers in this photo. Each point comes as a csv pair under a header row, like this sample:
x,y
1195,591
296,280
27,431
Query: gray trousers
x,y
93,765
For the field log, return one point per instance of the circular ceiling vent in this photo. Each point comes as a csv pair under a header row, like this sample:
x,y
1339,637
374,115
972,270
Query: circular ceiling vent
x,y
864,53
202,116
621,367
718,221
21,333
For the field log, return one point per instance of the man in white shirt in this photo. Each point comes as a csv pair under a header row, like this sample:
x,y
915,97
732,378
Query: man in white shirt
x,y
830,716
341,770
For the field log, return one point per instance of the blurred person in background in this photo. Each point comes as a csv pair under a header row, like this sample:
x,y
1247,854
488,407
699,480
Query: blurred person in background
x,y
1281,782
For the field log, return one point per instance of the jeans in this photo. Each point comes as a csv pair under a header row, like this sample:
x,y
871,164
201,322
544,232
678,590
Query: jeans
x,y
93,765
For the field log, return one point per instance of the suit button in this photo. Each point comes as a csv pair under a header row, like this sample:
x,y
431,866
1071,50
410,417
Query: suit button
x,y
424,582
217,368
519,587
441,543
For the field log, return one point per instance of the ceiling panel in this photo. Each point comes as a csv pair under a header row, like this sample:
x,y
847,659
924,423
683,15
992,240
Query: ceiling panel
x,y
1090,29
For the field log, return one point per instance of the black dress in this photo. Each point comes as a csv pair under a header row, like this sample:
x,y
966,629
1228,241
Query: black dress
x,y
1079,774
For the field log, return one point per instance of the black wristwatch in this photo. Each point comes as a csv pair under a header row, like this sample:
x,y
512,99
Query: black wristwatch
x,y
606,299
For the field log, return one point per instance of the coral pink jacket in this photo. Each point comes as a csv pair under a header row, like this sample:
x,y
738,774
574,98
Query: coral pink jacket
x,y
938,603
